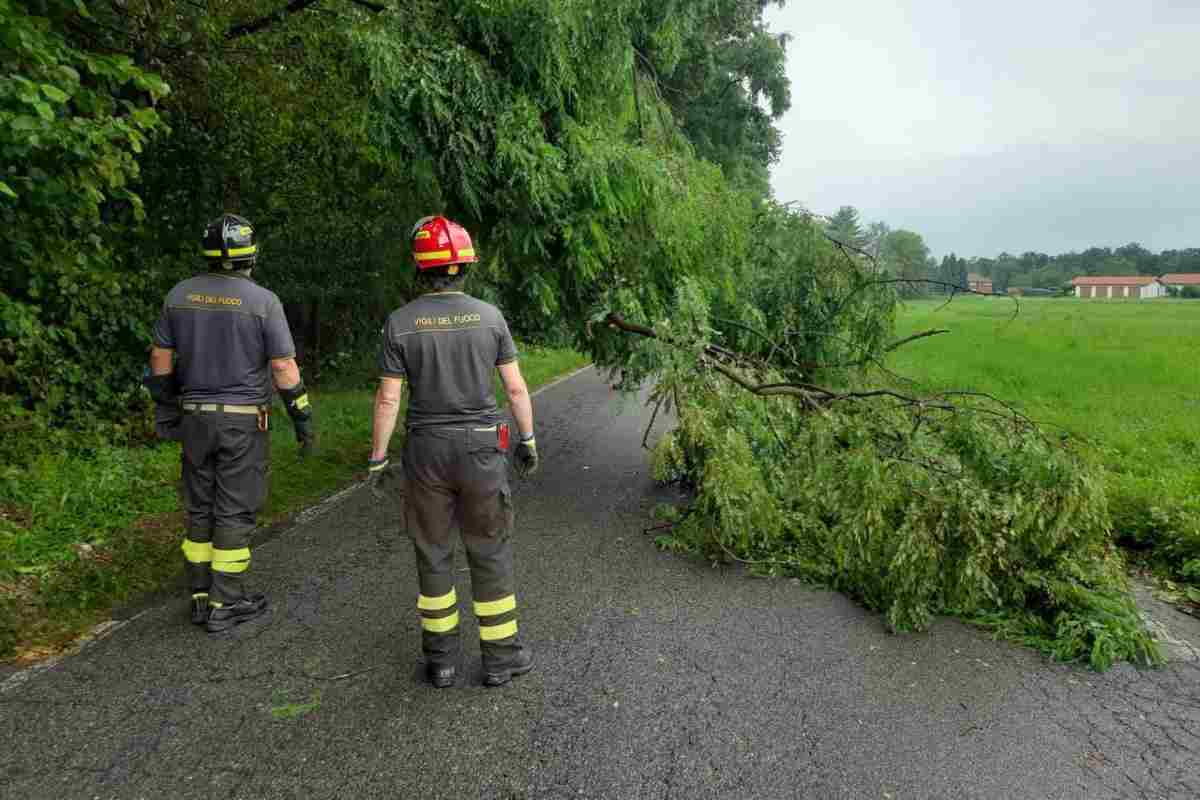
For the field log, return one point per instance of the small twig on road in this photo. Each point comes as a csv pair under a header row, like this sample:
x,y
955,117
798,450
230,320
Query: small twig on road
x,y
344,675
650,427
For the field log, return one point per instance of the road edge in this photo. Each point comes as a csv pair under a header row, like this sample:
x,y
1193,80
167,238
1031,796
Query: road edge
x,y
103,630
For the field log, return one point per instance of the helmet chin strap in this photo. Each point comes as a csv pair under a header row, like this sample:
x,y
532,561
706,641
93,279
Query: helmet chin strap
x,y
240,267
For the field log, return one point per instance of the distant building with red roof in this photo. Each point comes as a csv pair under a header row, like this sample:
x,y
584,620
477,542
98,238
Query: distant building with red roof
x,y
1118,287
979,283
1177,280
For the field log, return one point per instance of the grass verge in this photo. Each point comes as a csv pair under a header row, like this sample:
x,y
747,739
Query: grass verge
x,y
1118,375
83,532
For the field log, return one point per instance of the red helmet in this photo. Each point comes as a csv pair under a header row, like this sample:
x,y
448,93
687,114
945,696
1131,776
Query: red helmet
x,y
438,242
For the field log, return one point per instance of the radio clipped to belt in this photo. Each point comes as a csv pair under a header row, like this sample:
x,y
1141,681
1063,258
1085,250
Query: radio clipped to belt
x,y
264,418
502,436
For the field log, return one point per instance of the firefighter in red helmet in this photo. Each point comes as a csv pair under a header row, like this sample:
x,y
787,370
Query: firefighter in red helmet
x,y
445,346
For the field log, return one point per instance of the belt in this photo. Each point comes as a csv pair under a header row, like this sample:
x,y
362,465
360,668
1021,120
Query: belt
x,y
221,408
492,429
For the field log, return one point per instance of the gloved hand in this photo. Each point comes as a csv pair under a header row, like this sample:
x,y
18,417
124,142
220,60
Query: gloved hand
x,y
525,457
161,388
306,436
295,400
168,417
376,476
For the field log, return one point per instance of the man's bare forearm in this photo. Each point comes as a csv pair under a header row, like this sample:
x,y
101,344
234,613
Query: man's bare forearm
x,y
161,361
522,410
387,409
518,397
285,372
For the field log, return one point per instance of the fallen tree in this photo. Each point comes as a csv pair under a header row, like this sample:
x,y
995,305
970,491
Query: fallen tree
x,y
811,459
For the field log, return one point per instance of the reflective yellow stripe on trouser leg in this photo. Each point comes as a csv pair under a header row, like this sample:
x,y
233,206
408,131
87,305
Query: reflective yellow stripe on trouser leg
x,y
434,618
197,552
497,618
439,603
231,562
440,624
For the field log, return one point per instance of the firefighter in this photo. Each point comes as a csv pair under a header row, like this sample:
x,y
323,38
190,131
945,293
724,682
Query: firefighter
x,y
220,343
445,346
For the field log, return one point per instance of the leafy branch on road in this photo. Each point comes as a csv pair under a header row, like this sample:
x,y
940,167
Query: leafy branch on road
x,y
915,504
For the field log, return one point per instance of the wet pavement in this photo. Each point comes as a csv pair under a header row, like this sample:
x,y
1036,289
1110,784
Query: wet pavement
x,y
657,676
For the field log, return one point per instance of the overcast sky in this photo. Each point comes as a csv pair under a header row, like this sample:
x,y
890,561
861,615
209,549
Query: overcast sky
x,y
984,126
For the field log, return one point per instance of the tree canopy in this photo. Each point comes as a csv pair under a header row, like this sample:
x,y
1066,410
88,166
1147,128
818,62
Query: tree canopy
x,y
596,154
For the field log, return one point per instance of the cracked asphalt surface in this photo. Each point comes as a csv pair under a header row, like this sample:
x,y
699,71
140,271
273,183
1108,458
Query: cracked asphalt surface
x,y
657,677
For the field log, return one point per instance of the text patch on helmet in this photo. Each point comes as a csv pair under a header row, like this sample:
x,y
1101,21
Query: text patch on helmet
x,y
422,235
213,300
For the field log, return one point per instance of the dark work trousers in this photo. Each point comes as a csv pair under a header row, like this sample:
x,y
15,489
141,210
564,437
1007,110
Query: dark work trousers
x,y
224,485
461,474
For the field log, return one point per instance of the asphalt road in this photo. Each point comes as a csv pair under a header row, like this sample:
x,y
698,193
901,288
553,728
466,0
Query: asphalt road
x,y
657,677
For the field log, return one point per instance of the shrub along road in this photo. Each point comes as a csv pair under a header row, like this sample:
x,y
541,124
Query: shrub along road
x,y
657,677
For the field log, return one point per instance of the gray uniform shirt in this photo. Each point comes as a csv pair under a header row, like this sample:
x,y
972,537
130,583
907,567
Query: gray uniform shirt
x,y
447,346
224,329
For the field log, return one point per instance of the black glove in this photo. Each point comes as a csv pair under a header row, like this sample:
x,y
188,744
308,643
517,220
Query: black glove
x,y
305,435
377,472
168,417
295,400
162,388
525,457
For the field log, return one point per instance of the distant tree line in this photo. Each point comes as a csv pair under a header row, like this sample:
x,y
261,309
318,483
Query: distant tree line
x,y
898,253
904,254
1038,270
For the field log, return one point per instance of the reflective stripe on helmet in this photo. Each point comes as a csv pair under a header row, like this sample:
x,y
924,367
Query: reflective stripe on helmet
x,y
466,252
233,253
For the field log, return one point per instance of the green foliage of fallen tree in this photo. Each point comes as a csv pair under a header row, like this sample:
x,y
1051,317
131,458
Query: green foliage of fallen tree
x,y
798,465
976,516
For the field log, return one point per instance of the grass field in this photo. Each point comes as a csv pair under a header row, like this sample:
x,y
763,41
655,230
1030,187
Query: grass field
x,y
80,533
1124,376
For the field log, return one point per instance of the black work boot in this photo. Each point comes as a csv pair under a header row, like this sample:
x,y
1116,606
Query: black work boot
x,y
222,618
499,671
200,608
442,676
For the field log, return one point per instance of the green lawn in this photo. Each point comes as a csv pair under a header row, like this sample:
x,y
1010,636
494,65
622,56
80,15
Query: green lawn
x,y
1125,376
80,533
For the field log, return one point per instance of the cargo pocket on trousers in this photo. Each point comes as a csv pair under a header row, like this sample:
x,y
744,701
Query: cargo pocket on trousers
x,y
506,513
401,488
264,485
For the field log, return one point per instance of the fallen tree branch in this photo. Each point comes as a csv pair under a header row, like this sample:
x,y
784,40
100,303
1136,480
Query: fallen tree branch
x,y
810,393
816,397
650,427
294,7
910,339
254,26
